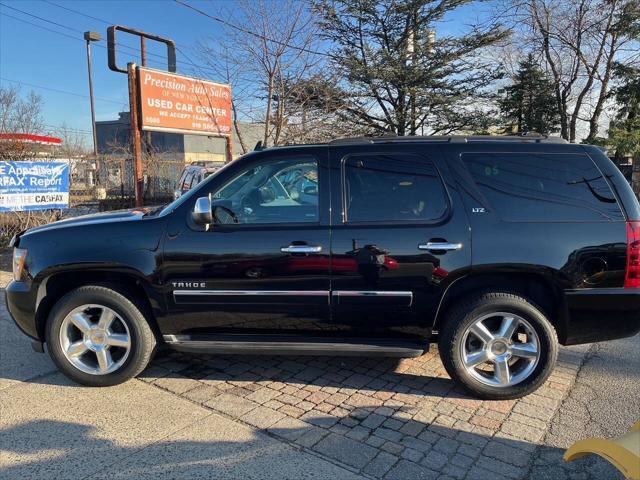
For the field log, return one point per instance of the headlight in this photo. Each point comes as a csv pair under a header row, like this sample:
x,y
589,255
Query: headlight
x,y
19,259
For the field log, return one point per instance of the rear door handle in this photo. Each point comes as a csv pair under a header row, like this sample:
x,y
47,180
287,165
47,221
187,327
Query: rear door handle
x,y
301,249
445,246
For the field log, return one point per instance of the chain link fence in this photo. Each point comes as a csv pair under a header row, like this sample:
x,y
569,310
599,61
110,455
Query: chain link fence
x,y
97,185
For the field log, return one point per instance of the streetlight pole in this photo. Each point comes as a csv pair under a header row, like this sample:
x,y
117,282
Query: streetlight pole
x,y
92,37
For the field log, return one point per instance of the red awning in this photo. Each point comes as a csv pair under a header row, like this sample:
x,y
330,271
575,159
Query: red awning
x,y
27,137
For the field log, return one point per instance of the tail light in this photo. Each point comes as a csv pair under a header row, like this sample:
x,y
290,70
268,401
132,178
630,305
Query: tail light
x,y
632,279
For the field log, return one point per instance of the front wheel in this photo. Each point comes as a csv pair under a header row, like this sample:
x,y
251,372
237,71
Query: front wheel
x,y
498,346
98,337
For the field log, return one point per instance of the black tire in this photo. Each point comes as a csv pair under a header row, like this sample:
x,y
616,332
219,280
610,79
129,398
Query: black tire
x,y
143,341
461,317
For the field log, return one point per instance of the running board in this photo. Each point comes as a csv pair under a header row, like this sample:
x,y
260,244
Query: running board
x,y
267,345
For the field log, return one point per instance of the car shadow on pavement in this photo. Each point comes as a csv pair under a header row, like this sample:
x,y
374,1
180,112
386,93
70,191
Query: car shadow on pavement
x,y
65,450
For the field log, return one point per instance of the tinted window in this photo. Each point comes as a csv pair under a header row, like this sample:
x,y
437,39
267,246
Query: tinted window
x,y
543,187
273,192
392,187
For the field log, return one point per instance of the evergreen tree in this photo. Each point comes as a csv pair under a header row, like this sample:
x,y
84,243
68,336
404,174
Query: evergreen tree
x,y
529,104
399,74
624,130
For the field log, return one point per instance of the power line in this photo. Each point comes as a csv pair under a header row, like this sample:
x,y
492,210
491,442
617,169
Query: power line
x,y
67,35
78,13
39,26
64,128
57,90
249,32
40,18
72,29
190,62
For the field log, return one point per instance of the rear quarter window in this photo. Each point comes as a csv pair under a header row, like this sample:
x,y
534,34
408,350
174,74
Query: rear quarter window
x,y
543,187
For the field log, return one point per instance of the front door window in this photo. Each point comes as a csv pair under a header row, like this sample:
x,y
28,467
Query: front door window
x,y
281,191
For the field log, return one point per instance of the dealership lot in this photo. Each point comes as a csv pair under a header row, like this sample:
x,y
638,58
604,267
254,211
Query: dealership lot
x,y
291,417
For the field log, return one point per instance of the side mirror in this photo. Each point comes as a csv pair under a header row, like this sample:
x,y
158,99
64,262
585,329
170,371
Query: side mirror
x,y
202,211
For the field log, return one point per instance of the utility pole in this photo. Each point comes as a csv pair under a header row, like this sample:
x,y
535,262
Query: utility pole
x,y
411,58
413,42
92,37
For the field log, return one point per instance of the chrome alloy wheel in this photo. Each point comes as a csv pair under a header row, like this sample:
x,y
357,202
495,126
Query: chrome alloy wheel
x,y
500,349
95,340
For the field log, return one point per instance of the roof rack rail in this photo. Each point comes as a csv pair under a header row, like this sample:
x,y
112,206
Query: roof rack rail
x,y
529,138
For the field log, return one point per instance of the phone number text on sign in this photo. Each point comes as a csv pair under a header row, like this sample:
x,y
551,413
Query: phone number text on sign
x,y
175,103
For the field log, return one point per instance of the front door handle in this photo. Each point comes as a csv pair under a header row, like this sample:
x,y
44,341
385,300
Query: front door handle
x,y
301,249
442,246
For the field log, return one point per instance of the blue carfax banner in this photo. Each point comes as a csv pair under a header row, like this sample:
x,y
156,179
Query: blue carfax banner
x,y
33,186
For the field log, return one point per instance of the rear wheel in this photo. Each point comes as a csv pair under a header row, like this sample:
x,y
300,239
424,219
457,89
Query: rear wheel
x,y
498,346
98,337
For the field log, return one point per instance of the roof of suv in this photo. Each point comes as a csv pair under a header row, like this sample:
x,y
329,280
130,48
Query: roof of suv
x,y
388,139
449,139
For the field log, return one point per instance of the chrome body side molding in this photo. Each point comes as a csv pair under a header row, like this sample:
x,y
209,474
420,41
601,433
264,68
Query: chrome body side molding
x,y
274,293
272,345
344,297
363,297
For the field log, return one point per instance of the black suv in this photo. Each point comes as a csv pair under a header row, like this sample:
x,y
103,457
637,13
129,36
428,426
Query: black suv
x,y
500,248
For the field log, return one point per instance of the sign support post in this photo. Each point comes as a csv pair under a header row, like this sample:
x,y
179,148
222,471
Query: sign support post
x,y
136,136
229,149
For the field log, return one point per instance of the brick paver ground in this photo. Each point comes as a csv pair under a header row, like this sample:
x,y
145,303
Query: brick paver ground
x,y
385,418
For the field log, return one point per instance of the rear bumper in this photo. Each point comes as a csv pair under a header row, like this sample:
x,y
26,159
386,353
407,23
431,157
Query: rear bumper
x,y
21,299
599,314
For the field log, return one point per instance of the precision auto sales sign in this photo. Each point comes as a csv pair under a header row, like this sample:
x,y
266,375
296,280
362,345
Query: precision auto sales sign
x,y
174,103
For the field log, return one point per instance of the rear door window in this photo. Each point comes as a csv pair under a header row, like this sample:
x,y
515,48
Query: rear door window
x,y
392,188
542,187
181,181
195,181
186,185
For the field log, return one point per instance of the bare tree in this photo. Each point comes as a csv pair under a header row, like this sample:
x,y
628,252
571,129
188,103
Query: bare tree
x,y
19,115
580,42
73,143
279,52
316,111
221,59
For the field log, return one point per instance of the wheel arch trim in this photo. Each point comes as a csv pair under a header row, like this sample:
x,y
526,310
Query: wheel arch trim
x,y
100,274
538,274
